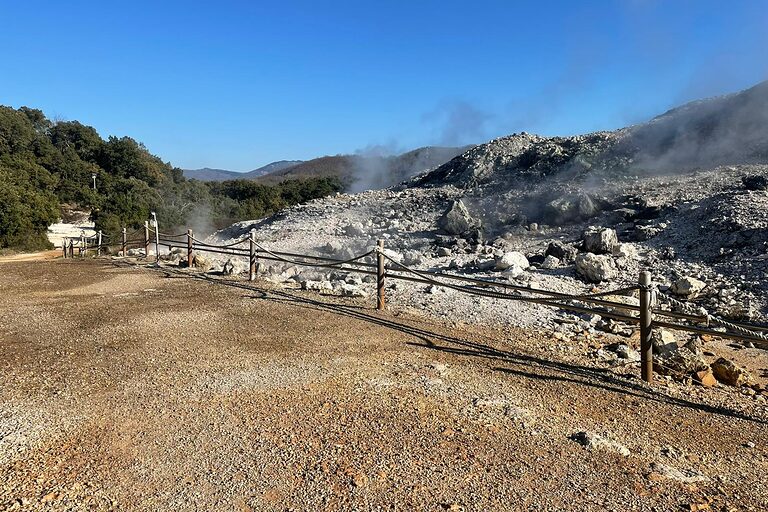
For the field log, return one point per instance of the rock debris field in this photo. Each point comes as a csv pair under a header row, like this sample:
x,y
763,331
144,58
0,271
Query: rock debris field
x,y
683,196
127,387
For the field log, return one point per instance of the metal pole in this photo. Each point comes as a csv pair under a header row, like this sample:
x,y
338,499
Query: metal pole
x,y
380,299
146,239
252,270
190,249
125,242
98,249
646,327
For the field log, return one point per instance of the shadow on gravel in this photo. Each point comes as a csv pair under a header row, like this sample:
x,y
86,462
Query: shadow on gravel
x,y
551,370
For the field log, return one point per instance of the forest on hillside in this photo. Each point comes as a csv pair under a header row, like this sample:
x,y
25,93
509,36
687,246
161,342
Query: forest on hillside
x,y
45,164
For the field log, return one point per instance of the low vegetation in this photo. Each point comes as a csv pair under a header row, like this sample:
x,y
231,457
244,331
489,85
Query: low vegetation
x,y
44,164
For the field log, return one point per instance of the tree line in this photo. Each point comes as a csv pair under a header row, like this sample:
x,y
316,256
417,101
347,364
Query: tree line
x,y
44,164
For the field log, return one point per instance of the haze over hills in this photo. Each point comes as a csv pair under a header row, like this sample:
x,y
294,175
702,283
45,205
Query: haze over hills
x,y
360,171
208,174
369,171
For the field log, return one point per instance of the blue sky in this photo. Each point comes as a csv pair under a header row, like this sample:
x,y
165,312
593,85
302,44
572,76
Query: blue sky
x,y
236,85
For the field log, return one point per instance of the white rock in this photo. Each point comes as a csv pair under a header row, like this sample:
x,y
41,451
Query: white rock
x,y
513,258
688,287
596,267
354,229
456,219
351,290
235,266
318,286
550,262
513,271
594,441
627,251
600,240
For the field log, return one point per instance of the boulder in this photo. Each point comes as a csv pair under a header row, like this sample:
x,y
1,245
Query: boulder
x,y
706,378
688,287
627,251
318,286
354,229
513,272
563,252
755,182
550,262
412,258
332,247
456,219
624,351
572,208
351,290
599,240
235,266
643,232
663,341
485,265
595,268
679,362
202,262
727,372
670,359
512,258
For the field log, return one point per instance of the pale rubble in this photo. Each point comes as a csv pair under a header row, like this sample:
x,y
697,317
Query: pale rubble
x,y
581,211
688,287
596,268
600,240
594,441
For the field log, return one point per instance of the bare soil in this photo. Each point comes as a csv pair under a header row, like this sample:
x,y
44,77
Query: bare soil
x,y
132,388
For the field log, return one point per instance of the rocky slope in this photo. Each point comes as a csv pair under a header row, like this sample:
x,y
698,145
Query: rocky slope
x,y
684,196
370,170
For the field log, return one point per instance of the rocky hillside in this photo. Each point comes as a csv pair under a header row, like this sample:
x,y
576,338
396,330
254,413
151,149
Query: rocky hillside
x,y
684,195
369,171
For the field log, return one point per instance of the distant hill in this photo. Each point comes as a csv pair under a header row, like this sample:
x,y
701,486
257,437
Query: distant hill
x,y
364,172
359,171
208,174
270,168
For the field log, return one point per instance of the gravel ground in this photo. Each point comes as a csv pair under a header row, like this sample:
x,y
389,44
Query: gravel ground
x,y
155,389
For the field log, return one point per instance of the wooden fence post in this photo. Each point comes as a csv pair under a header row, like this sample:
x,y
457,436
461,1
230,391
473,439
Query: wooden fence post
x,y
157,238
146,239
98,248
190,249
380,273
71,248
125,242
64,246
83,249
646,327
252,267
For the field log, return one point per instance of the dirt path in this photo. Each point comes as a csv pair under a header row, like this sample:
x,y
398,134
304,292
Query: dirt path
x,y
138,389
30,256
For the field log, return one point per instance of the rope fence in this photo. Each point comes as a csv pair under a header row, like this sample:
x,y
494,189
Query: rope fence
x,y
376,262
